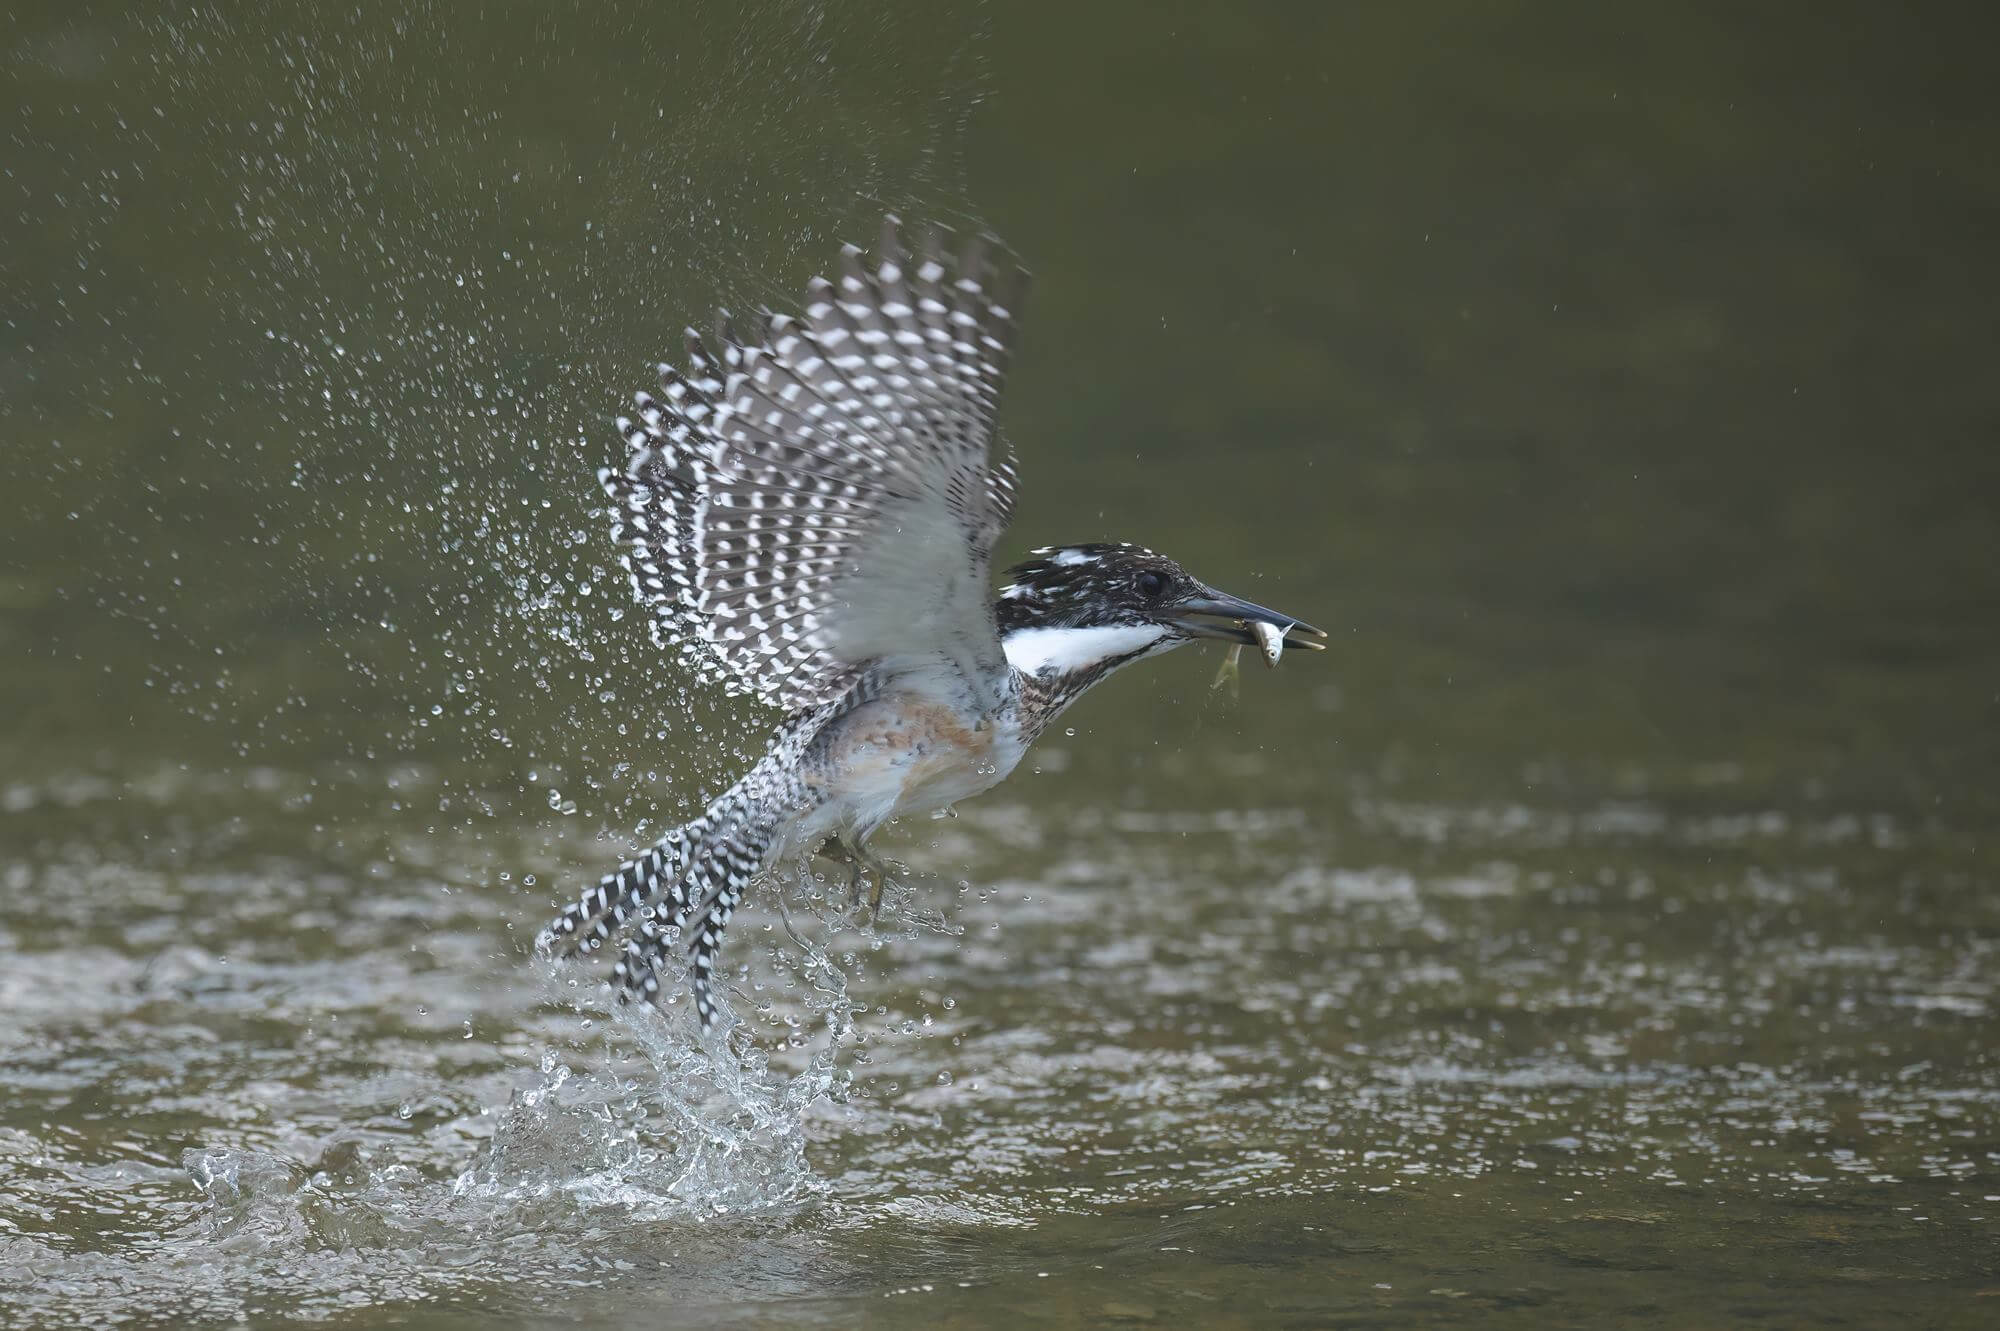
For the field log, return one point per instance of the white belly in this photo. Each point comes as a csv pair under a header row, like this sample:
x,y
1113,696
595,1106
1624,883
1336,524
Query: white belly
x,y
905,755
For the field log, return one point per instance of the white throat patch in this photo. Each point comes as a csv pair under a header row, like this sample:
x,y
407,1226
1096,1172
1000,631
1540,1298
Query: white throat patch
x,y
1062,650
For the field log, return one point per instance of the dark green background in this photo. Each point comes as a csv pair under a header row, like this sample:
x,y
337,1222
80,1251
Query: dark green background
x,y
1616,384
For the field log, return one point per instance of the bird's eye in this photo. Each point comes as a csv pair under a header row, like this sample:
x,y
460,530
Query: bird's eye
x,y
1151,584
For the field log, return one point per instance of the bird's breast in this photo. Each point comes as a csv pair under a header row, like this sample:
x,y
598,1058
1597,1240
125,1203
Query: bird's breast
x,y
916,754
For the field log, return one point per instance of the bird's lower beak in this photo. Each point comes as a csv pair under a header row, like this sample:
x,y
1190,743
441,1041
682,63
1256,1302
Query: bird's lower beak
x,y
1214,614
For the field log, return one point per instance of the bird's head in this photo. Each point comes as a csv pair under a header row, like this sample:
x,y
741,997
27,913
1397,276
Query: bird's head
x,y
1084,609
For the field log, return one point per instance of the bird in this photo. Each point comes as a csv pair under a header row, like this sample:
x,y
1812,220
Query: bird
x,y
810,514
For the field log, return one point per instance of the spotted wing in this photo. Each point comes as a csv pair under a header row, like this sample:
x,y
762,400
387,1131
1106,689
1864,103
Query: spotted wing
x,y
826,495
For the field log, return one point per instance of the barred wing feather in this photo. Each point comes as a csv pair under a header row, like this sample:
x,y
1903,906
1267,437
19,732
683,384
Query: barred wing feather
x,y
826,495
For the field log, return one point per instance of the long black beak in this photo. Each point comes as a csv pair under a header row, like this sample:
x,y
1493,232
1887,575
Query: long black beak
x,y
1214,614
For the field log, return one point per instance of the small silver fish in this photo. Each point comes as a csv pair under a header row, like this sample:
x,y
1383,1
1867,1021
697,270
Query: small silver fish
x,y
1272,639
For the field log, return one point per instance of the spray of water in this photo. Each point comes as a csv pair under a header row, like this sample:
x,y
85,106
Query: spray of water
x,y
687,1124
318,345
403,309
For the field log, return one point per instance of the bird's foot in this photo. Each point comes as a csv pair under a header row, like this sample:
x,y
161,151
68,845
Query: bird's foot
x,y
882,872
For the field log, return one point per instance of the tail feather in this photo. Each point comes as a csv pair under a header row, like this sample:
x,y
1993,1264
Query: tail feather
x,y
603,909
732,852
678,896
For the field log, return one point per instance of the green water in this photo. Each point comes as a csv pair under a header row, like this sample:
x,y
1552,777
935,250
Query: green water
x,y
1603,932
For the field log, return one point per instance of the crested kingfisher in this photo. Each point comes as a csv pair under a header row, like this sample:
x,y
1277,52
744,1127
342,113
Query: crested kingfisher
x,y
810,515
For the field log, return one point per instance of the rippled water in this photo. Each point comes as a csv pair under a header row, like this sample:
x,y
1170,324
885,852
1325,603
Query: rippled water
x,y
1376,1054
1603,932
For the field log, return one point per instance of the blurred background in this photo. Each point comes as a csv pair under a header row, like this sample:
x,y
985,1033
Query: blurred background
x,y
1610,908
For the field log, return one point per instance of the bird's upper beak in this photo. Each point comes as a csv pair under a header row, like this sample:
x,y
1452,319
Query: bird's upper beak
x,y
1214,614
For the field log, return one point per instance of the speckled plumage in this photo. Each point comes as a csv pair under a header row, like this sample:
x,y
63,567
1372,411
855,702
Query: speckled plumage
x,y
786,507
810,515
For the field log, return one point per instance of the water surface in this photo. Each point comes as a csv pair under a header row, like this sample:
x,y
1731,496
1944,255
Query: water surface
x,y
1604,931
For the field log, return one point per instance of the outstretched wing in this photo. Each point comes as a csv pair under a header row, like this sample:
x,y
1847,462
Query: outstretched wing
x,y
827,495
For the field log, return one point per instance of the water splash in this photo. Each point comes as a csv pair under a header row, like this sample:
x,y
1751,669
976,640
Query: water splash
x,y
708,1130
671,1124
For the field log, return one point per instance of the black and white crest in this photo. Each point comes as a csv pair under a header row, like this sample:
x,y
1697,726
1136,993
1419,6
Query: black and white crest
x,y
1077,611
827,493
1101,583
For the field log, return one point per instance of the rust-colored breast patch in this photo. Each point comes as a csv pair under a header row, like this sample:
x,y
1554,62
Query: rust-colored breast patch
x,y
905,725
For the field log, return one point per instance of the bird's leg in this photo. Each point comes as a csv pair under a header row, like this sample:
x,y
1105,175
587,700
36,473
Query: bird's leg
x,y
865,862
840,852
836,850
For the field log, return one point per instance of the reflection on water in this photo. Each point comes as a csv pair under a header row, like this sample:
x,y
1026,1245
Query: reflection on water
x,y
1603,932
